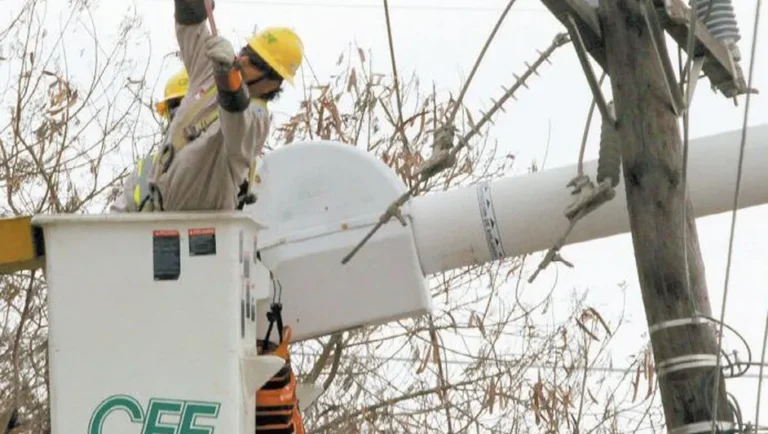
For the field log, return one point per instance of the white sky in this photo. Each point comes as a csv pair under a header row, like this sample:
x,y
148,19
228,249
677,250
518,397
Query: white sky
x,y
439,40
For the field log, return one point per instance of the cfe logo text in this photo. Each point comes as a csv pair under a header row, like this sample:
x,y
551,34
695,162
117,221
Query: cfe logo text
x,y
162,416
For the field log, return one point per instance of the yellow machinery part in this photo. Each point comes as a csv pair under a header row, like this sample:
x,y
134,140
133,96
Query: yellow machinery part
x,y
21,245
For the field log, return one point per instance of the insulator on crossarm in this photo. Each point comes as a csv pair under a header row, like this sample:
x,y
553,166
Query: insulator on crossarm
x,y
609,158
720,19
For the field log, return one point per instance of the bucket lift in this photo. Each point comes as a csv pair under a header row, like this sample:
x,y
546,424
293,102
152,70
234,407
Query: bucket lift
x,y
320,198
154,317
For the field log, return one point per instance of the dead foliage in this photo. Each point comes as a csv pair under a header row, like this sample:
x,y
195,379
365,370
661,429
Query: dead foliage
x,y
490,359
69,110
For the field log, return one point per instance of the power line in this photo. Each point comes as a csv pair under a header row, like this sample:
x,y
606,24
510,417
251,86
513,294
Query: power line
x,y
373,6
374,358
739,170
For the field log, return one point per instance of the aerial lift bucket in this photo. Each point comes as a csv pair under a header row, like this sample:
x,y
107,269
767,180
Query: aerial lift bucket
x,y
153,322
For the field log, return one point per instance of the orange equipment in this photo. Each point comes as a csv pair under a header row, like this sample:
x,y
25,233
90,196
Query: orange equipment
x,y
277,407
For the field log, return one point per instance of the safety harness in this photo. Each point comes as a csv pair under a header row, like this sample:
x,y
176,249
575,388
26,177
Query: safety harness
x,y
193,123
141,191
277,407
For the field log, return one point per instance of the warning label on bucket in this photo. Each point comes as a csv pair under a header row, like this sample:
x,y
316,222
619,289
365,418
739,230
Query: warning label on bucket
x,y
202,241
166,254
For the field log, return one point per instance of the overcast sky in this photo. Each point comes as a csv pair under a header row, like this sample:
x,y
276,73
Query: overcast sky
x,y
439,40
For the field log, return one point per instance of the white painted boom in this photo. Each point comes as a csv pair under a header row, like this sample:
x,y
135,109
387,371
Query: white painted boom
x,y
528,210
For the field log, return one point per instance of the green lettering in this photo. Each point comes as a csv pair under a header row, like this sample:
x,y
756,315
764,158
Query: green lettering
x,y
155,411
112,403
184,415
193,410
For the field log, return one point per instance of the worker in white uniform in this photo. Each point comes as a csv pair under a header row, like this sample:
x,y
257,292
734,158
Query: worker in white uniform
x,y
209,154
130,199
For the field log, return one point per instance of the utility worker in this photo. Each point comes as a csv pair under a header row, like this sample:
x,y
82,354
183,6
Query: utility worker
x,y
130,199
209,155
208,161
221,125
175,89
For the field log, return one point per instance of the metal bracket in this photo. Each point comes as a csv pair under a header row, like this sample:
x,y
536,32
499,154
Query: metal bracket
x,y
662,56
589,198
723,72
674,17
553,255
689,361
581,51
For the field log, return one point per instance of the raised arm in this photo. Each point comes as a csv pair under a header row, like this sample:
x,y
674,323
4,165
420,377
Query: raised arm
x,y
243,124
192,33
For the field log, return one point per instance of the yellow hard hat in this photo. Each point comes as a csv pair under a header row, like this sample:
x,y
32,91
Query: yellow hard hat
x,y
176,87
281,48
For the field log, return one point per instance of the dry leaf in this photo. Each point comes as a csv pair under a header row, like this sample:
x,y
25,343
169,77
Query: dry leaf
x,y
584,328
470,120
352,81
467,167
591,396
480,326
651,381
424,361
601,320
636,383
337,123
537,400
435,346
491,396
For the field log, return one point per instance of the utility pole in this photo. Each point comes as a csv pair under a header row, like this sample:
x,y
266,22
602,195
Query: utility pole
x,y
627,39
685,351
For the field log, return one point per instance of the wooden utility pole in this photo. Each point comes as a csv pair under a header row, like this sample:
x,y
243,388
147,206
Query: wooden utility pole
x,y
651,149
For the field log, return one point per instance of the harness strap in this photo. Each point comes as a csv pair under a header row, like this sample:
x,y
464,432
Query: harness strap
x,y
196,120
274,316
204,105
142,191
277,406
246,196
193,123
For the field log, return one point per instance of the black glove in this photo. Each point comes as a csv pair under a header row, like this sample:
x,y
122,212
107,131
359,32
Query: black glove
x,y
190,12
